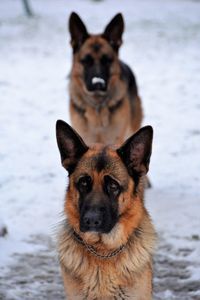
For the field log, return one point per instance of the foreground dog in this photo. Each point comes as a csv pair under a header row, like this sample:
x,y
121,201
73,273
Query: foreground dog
x,y
107,241
104,103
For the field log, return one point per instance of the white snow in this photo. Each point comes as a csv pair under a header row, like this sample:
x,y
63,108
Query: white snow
x,y
162,45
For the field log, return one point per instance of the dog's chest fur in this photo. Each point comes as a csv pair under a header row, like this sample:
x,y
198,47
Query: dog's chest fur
x,y
103,125
87,277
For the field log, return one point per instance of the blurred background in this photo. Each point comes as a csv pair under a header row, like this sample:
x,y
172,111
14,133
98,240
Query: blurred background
x,y
162,45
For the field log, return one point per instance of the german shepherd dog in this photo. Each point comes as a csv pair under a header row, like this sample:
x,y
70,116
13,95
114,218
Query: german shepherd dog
x,y
106,242
104,103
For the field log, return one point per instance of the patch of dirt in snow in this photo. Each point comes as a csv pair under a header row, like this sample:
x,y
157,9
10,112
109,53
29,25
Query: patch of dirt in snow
x,y
37,275
172,276
34,275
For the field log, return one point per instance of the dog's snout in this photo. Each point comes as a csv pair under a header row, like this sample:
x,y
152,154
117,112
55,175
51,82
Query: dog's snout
x,y
92,220
99,86
96,78
98,82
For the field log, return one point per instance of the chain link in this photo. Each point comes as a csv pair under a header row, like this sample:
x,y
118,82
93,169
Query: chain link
x,y
92,250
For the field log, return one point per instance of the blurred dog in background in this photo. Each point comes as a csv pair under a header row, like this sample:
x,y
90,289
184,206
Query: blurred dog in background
x,y
104,103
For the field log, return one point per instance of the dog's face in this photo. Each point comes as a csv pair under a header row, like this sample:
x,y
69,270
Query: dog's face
x,y
98,201
95,56
103,180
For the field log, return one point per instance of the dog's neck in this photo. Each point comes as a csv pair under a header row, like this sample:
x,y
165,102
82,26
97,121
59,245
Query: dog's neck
x,y
96,102
93,251
134,256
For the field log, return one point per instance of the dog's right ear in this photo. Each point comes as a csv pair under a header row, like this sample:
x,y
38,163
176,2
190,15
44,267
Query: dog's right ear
x,y
70,144
78,31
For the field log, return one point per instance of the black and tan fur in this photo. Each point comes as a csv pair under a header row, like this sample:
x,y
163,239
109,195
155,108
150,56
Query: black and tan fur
x,y
104,210
107,113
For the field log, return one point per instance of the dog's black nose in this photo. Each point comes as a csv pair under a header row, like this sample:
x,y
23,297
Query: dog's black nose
x,y
92,220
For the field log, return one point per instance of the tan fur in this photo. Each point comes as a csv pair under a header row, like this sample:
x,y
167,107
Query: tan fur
x,y
102,123
88,277
125,276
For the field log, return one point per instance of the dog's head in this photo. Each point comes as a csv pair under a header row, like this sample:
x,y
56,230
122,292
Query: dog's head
x,y
95,56
102,196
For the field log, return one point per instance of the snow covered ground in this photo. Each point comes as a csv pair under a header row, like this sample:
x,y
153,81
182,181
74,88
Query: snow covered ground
x,y
162,45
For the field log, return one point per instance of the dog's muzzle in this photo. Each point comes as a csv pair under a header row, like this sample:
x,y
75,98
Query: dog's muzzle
x,y
98,84
92,220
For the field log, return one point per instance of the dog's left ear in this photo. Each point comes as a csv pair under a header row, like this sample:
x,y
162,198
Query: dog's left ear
x,y
70,144
114,30
136,151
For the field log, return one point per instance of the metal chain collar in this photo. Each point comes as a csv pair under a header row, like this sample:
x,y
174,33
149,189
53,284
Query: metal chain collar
x,y
92,250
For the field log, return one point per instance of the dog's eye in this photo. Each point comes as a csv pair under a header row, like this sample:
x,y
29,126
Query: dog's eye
x,y
84,184
87,60
106,60
112,186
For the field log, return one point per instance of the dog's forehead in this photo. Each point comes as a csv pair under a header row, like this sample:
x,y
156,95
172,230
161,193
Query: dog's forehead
x,y
103,159
96,44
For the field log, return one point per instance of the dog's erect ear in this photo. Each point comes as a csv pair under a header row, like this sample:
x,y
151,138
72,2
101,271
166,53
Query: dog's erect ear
x,y
70,144
136,151
113,32
78,31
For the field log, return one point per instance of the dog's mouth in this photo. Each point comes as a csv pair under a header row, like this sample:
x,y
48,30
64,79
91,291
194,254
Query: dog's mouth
x,y
94,229
96,85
